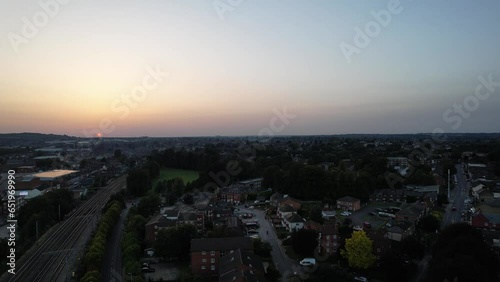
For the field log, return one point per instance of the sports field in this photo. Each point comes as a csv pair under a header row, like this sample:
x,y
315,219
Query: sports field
x,y
171,173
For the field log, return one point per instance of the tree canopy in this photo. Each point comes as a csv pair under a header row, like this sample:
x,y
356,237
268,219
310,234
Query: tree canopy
x,y
359,251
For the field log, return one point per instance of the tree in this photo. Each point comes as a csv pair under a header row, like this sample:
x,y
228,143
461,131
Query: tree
x,y
138,182
304,242
358,250
149,205
412,247
262,249
460,253
175,242
429,223
316,215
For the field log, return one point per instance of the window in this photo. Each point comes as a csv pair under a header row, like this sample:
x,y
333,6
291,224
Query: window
x,y
203,267
212,253
212,260
212,267
203,253
203,260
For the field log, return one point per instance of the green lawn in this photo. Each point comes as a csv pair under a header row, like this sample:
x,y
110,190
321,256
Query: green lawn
x,y
171,173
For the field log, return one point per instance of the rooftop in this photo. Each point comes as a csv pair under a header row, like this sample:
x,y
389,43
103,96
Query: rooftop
x,y
221,244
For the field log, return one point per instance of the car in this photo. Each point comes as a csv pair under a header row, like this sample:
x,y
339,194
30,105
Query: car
x,y
372,213
361,278
252,231
251,207
358,228
345,213
308,262
148,269
453,208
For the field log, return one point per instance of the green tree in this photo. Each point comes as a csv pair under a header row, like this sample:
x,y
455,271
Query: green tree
x,y
175,242
358,250
149,205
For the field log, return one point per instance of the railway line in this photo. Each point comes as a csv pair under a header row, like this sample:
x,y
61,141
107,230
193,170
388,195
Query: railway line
x,y
57,252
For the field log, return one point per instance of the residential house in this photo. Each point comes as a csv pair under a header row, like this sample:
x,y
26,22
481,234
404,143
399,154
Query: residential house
x,y
486,220
329,237
400,230
293,222
411,212
241,266
155,224
285,210
349,203
312,225
206,253
287,200
388,195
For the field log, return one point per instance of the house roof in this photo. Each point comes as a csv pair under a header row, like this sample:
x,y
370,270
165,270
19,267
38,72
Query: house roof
x,y
294,218
311,224
171,213
348,199
161,221
239,265
329,228
188,216
221,244
286,208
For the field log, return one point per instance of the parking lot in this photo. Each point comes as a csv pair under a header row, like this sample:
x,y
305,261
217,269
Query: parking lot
x,y
164,271
363,215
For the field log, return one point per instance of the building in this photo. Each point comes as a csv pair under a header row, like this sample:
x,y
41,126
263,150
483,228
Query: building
x,y
293,222
400,230
388,195
155,224
206,253
486,221
328,237
254,184
349,203
285,210
241,266
411,212
294,203
397,161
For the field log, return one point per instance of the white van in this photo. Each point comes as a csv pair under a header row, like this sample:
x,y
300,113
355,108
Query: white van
x,y
308,262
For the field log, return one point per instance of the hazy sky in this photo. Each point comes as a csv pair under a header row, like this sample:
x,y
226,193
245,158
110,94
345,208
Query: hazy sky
x,y
67,68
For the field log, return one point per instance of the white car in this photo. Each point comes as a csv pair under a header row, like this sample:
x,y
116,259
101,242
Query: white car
x,y
361,278
345,213
358,228
308,262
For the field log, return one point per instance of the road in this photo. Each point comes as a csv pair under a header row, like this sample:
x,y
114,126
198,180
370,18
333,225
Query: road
x,y
457,197
112,264
284,264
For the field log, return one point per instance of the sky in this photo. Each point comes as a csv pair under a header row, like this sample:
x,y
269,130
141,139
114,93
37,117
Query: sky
x,y
248,67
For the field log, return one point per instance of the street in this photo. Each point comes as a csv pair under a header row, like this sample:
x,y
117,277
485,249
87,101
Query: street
x,y
285,265
457,197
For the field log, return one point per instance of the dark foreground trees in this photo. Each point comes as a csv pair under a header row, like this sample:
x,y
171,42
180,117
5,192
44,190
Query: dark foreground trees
x,y
460,254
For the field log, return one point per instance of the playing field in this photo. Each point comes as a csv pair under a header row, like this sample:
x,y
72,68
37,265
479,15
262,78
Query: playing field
x,y
171,173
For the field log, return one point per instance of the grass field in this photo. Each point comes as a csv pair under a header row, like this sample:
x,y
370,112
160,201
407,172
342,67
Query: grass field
x,y
171,173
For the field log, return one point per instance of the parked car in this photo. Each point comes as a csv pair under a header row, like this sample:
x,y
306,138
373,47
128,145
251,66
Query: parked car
x,y
308,262
346,213
148,269
361,278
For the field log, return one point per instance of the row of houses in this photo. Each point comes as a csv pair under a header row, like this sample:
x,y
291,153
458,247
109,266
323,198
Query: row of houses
x,y
229,259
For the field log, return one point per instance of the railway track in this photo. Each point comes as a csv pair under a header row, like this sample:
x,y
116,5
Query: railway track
x,y
55,253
